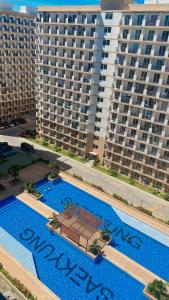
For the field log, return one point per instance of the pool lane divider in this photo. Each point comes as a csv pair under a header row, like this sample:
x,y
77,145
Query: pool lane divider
x,y
117,258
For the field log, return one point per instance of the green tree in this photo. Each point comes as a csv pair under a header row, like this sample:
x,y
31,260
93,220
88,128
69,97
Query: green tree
x,y
158,289
14,171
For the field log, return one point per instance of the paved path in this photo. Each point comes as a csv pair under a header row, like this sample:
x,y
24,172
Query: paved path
x,y
36,287
128,265
159,207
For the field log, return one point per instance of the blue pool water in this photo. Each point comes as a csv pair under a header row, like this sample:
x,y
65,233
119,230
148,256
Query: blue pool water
x,y
60,266
140,247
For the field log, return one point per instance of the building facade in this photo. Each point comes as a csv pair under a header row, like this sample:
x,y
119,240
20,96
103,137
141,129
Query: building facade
x,y
103,74
17,65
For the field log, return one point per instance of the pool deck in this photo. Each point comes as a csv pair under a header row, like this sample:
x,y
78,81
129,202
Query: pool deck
x,y
117,258
114,256
37,288
128,265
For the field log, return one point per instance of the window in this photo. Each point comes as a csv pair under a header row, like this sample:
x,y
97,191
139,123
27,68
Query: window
x,y
166,23
127,19
103,66
148,49
156,78
99,99
150,35
164,37
99,109
140,20
162,50
137,34
125,33
103,78
107,29
95,146
108,15
106,42
101,89
105,55
98,119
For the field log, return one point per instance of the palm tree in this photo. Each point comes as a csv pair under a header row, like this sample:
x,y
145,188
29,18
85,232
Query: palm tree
x,y
28,186
106,233
14,171
95,248
54,220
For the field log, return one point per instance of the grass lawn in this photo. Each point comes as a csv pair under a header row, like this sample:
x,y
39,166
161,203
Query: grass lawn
x,y
58,150
126,179
20,159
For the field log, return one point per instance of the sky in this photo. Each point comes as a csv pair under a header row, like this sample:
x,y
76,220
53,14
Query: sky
x,y
34,3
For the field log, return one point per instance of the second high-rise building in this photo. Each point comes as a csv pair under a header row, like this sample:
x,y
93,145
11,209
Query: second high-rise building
x,y
103,85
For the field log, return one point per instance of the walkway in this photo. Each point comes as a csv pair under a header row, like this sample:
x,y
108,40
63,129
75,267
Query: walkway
x,y
159,207
36,287
129,266
36,205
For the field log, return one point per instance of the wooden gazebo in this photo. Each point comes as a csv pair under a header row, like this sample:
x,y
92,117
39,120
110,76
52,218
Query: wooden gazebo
x,y
79,225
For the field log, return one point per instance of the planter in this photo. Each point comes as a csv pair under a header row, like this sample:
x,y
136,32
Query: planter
x,y
148,296
52,179
33,196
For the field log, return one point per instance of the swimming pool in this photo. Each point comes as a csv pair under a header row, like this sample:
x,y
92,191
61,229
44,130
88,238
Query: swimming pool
x,y
140,247
60,266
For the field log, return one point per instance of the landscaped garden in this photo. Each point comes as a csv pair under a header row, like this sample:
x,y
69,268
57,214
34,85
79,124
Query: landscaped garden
x,y
20,159
58,150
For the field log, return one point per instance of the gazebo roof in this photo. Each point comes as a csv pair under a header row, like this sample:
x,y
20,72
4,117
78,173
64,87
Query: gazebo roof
x,y
80,221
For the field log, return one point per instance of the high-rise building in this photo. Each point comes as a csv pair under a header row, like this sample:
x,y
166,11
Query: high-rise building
x,y
17,65
103,75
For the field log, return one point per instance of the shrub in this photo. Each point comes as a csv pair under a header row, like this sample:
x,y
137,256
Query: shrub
x,y
57,149
166,196
120,198
71,154
52,175
113,173
44,143
96,161
98,187
144,210
77,177
158,289
17,284
155,192
132,181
